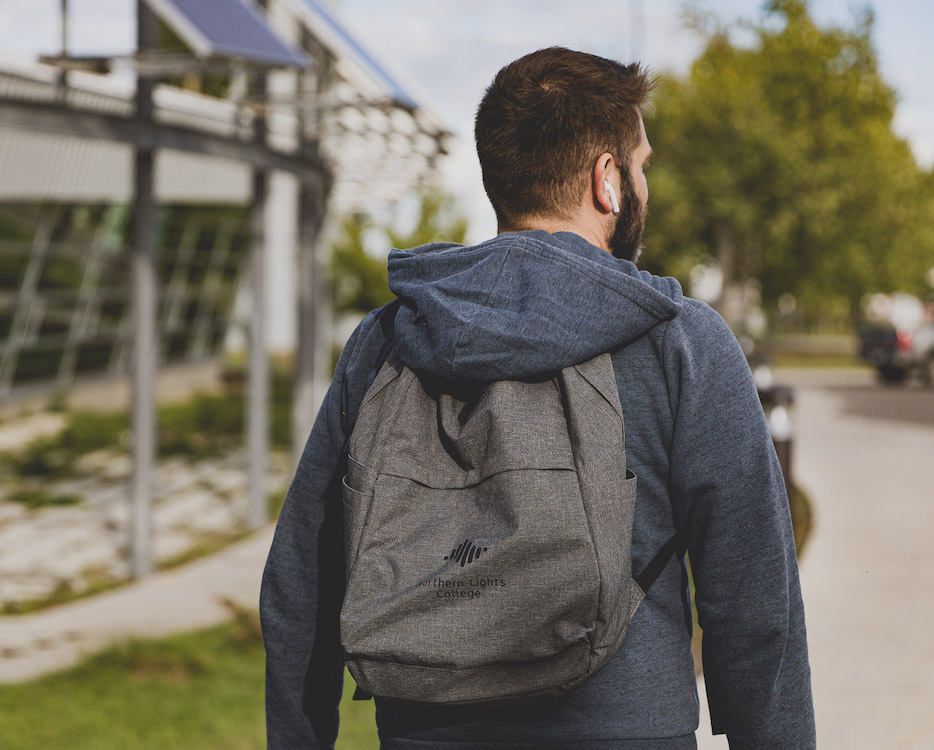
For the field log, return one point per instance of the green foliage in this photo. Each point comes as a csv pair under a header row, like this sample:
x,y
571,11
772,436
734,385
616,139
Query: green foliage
x,y
280,405
206,425
358,278
437,222
53,457
39,497
43,457
780,160
210,424
88,431
202,690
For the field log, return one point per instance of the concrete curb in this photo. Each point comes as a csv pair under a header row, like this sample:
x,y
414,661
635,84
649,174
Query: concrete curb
x,y
172,601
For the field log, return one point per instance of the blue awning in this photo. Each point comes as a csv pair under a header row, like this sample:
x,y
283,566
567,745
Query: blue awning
x,y
226,28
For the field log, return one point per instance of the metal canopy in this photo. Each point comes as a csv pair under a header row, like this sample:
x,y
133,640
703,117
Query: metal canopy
x,y
346,46
382,142
226,28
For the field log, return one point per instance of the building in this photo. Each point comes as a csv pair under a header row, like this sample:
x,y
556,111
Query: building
x,y
66,187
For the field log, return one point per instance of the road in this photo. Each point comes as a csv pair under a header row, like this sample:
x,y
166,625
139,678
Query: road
x,y
859,395
864,454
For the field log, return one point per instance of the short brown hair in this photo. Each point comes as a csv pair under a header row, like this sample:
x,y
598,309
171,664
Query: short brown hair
x,y
544,121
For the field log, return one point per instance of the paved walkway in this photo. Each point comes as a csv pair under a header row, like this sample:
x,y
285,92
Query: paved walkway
x,y
81,546
183,599
867,573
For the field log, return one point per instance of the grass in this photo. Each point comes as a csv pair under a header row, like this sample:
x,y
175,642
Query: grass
x,y
39,497
208,544
358,721
200,690
817,360
92,582
206,425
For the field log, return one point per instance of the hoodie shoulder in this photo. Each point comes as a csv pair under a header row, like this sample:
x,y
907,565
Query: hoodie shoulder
x,y
702,357
699,326
520,305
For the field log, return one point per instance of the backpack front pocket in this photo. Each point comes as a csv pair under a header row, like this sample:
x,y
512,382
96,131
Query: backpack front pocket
x,y
474,560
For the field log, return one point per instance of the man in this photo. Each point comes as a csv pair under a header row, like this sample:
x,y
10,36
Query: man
x,y
563,151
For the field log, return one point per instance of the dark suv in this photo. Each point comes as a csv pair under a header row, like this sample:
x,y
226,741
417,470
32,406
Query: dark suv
x,y
899,346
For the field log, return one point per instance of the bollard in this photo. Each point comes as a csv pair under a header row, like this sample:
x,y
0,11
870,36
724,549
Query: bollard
x,y
777,401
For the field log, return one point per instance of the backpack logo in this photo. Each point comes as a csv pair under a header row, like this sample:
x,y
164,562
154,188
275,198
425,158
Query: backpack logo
x,y
466,552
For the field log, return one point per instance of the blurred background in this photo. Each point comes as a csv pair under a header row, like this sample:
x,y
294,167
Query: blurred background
x,y
197,198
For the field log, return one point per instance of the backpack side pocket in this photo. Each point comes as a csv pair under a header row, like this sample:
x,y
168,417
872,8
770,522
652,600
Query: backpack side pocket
x,y
356,510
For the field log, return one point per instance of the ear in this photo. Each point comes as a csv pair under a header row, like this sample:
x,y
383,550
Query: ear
x,y
602,173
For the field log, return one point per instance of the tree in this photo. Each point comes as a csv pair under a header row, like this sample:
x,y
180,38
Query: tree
x,y
779,160
358,278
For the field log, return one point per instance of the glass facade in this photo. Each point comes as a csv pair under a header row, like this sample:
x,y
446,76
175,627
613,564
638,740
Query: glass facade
x,y
64,287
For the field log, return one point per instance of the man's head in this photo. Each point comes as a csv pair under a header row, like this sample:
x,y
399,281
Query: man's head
x,y
551,128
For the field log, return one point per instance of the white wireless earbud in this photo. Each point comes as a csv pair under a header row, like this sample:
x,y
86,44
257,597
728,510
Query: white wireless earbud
x,y
612,192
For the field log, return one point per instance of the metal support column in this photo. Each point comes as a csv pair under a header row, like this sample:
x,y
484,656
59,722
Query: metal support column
x,y
144,316
258,371
62,93
308,343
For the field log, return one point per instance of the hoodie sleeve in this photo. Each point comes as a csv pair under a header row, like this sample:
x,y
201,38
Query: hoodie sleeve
x,y
727,485
303,581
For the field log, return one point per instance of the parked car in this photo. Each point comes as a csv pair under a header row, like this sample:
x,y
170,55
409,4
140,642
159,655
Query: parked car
x,y
898,337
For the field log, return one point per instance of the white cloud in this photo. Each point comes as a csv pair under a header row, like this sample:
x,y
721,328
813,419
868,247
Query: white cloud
x,y
95,27
27,28
102,27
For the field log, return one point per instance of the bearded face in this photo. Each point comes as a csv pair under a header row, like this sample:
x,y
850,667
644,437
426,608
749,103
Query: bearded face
x,y
625,240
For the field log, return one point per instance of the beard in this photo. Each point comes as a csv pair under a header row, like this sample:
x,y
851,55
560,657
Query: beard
x,y
625,241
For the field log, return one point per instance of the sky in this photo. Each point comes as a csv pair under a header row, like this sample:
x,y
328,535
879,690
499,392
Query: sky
x,y
450,52
446,53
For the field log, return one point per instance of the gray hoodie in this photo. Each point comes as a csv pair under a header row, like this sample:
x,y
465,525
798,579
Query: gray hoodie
x,y
522,305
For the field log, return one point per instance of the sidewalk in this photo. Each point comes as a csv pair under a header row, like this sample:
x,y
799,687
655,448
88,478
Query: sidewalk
x,y
867,574
189,597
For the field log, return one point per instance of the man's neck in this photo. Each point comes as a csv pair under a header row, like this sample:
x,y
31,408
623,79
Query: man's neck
x,y
591,232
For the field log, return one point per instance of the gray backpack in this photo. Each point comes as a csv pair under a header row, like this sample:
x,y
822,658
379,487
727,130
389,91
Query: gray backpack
x,y
487,536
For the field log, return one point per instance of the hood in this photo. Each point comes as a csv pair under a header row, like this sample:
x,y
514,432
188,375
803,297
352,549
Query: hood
x,y
520,305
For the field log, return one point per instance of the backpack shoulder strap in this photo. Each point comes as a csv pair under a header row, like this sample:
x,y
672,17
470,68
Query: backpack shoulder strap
x,y
677,545
386,319
600,372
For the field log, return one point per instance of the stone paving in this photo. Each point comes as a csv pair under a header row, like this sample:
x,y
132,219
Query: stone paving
x,y
74,547
191,596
